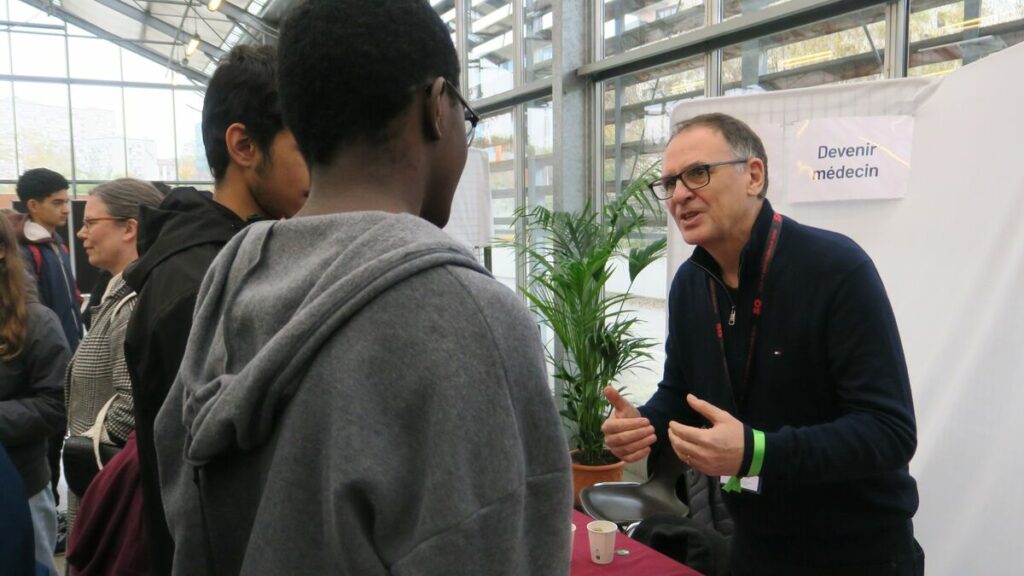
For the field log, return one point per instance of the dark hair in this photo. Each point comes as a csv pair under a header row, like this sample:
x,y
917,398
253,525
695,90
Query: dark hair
x,y
13,315
38,184
745,143
243,89
349,67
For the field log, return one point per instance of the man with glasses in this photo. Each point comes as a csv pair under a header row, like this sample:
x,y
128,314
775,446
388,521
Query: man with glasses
x,y
358,395
784,373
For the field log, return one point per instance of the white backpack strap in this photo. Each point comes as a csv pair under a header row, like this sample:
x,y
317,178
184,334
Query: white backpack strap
x,y
120,303
96,431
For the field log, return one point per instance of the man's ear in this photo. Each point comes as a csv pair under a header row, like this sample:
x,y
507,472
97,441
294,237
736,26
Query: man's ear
x,y
32,206
434,109
755,167
242,149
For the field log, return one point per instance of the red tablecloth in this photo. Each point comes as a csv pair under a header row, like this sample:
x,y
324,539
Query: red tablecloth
x,y
641,561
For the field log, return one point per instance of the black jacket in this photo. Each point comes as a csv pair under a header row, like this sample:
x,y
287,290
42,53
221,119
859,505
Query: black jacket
x,y
177,243
828,386
32,396
54,278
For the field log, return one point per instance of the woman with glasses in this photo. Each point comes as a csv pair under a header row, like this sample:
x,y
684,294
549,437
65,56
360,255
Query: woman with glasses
x,y
98,372
33,354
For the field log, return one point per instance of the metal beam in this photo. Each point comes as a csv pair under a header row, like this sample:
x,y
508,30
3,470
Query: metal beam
x,y
235,13
92,82
897,39
159,25
241,16
54,10
788,15
532,91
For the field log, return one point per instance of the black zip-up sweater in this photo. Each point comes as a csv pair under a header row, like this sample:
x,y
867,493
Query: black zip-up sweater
x,y
177,243
828,386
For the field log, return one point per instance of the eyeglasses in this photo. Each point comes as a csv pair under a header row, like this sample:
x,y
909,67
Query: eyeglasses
x,y
90,222
693,179
471,117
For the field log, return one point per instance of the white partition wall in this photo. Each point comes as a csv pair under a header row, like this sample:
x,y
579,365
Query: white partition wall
x,y
470,221
951,254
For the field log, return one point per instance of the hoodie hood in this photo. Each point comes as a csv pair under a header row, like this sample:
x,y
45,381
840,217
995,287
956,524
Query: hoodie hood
x,y
36,234
186,218
27,231
273,297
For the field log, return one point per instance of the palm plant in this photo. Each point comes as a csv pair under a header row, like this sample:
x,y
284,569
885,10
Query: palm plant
x,y
572,257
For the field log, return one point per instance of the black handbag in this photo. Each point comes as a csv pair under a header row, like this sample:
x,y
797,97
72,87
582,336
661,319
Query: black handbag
x,y
85,455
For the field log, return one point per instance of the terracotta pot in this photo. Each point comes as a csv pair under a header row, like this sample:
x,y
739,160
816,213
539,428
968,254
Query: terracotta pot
x,y
583,475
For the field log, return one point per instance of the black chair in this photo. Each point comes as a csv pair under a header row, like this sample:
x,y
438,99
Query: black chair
x,y
627,503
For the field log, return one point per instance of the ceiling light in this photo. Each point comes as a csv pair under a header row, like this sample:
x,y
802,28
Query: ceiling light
x,y
214,5
193,44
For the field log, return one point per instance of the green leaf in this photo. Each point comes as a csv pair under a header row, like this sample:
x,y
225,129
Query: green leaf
x,y
570,258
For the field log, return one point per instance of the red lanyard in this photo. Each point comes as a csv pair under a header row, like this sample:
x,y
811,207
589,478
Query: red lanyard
x,y
756,311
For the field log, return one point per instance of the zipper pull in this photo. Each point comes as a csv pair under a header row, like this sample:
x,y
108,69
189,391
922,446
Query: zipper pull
x,y
732,316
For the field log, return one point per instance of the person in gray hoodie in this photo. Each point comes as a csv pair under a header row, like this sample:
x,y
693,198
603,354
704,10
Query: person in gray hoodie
x,y
358,396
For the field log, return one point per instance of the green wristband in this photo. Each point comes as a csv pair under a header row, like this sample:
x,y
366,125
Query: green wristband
x,y
758,458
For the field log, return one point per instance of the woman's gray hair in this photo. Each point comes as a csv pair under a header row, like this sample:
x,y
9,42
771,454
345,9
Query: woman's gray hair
x,y
124,196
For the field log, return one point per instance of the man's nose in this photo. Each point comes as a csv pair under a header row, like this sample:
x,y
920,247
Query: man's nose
x,y
681,193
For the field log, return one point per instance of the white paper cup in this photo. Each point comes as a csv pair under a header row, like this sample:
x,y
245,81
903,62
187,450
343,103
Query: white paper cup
x,y
602,541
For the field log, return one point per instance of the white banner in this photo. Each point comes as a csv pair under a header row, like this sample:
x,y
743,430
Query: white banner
x,y
852,158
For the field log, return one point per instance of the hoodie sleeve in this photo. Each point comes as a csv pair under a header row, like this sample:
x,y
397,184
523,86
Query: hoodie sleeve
x,y
39,413
507,456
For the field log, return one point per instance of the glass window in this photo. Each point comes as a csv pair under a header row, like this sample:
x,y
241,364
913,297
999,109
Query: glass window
x,y
94,59
637,117
841,50
7,196
537,48
135,68
97,116
44,136
21,12
637,126
495,135
733,8
37,54
5,53
630,24
82,190
149,130
946,35
8,153
188,118
446,9
76,31
539,160
490,48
